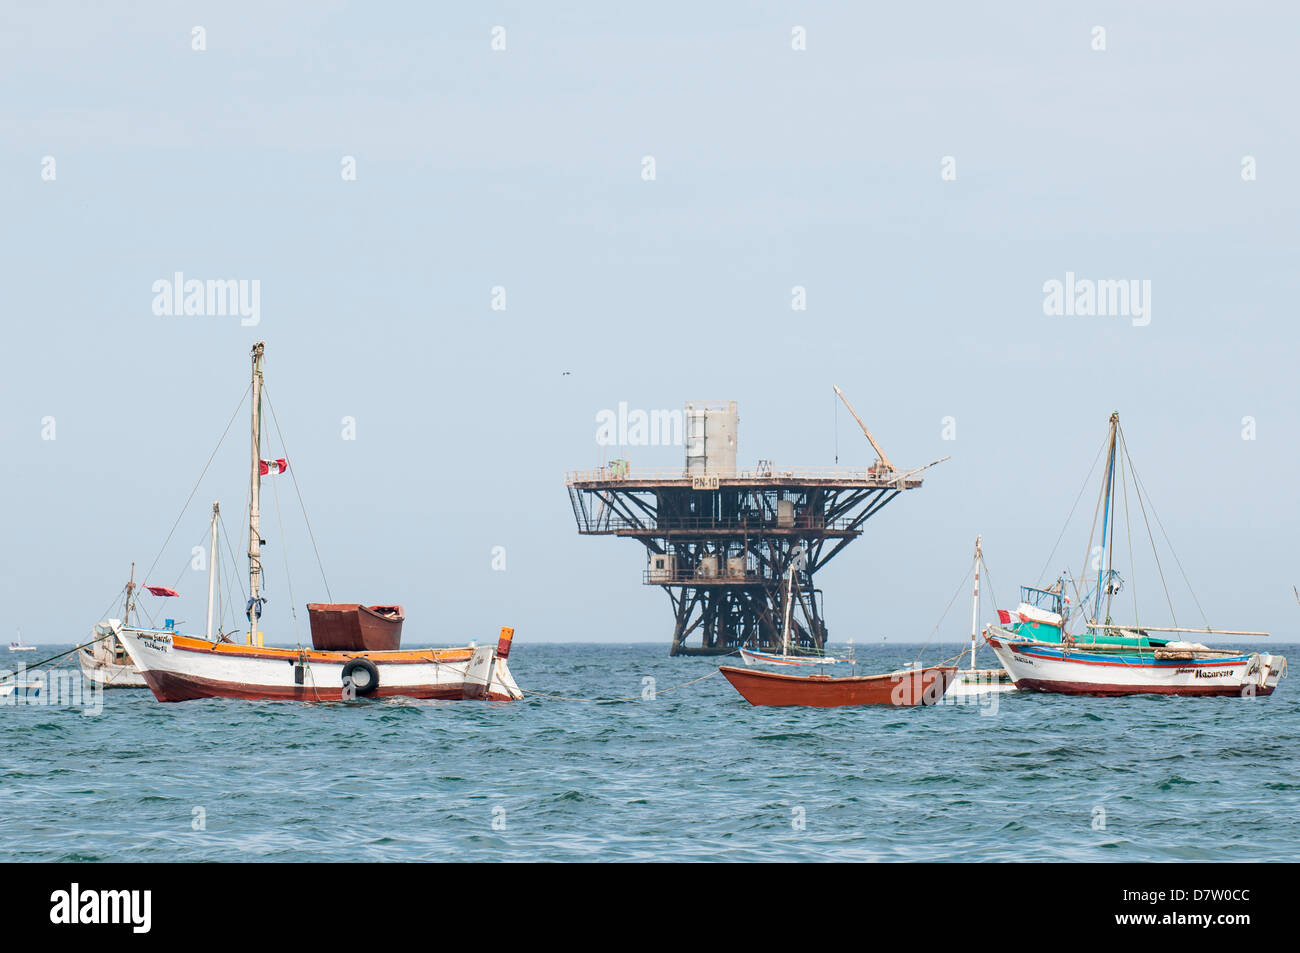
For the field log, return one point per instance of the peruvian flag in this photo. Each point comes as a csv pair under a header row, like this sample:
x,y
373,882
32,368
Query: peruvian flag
x,y
1006,618
162,591
274,466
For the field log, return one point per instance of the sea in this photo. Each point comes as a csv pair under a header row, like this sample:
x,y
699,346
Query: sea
x,y
621,753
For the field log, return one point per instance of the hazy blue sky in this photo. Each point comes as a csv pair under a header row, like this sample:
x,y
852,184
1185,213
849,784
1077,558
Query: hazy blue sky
x,y
522,168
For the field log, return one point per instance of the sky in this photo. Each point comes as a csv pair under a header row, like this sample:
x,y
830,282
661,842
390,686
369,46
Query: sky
x,y
921,171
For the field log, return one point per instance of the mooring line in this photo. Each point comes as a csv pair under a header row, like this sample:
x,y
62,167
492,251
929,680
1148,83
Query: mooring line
x,y
52,658
612,701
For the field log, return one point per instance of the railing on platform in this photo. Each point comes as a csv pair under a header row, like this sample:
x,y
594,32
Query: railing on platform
x,y
693,577
614,522
623,474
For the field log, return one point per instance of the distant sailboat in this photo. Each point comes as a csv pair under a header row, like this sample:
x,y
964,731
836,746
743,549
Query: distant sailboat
x,y
17,644
753,657
978,681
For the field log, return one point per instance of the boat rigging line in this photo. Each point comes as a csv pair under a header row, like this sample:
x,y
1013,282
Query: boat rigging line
x,y
292,476
197,483
55,658
1042,573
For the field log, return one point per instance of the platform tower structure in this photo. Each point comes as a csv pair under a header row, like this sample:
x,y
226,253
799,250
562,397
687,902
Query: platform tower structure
x,y
720,539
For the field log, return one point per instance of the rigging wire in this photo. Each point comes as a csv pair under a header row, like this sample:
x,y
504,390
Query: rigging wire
x,y
197,483
1042,574
930,638
1083,575
284,549
1142,491
298,491
1152,538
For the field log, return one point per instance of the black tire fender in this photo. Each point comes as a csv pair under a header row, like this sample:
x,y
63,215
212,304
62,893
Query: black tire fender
x,y
364,676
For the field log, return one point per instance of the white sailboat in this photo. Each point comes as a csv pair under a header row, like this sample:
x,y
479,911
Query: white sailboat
x,y
18,646
180,667
785,659
978,681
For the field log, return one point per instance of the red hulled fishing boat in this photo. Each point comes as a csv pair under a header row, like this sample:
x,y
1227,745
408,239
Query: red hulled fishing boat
x,y
921,686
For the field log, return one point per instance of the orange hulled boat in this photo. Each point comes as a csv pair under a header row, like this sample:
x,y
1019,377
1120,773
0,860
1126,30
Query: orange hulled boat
x,y
921,686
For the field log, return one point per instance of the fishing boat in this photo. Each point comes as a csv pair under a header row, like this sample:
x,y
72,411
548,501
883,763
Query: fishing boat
x,y
29,688
978,681
1040,652
180,667
787,659
105,660
17,644
917,686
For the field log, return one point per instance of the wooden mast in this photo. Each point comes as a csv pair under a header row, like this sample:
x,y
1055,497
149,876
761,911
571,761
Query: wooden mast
x,y
1107,558
255,486
130,587
785,627
975,603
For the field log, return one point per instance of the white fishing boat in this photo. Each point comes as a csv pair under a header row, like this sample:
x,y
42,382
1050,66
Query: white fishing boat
x,y
978,681
14,686
179,667
105,660
1040,653
17,644
786,658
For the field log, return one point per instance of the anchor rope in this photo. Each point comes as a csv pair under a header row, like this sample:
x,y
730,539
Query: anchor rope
x,y
53,658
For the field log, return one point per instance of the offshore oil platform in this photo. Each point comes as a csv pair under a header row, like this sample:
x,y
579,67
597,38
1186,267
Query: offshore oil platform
x,y
723,541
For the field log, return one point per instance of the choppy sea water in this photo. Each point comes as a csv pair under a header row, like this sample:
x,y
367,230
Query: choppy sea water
x,y
692,775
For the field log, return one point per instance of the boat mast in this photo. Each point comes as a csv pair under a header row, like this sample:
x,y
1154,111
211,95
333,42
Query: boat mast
x,y
785,628
975,603
1107,555
212,567
130,587
255,486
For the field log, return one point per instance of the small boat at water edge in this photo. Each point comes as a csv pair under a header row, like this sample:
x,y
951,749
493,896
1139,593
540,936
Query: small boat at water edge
x,y
755,657
18,646
788,659
921,686
978,681
105,660
31,688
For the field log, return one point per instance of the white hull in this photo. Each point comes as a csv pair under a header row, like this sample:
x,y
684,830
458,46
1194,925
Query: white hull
x,y
980,681
103,664
752,658
178,668
1047,667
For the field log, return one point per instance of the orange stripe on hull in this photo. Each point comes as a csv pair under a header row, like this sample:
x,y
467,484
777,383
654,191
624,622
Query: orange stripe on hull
x,y
185,643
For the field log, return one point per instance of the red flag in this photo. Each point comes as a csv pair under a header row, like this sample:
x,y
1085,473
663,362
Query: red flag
x,y
1006,618
162,591
279,466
